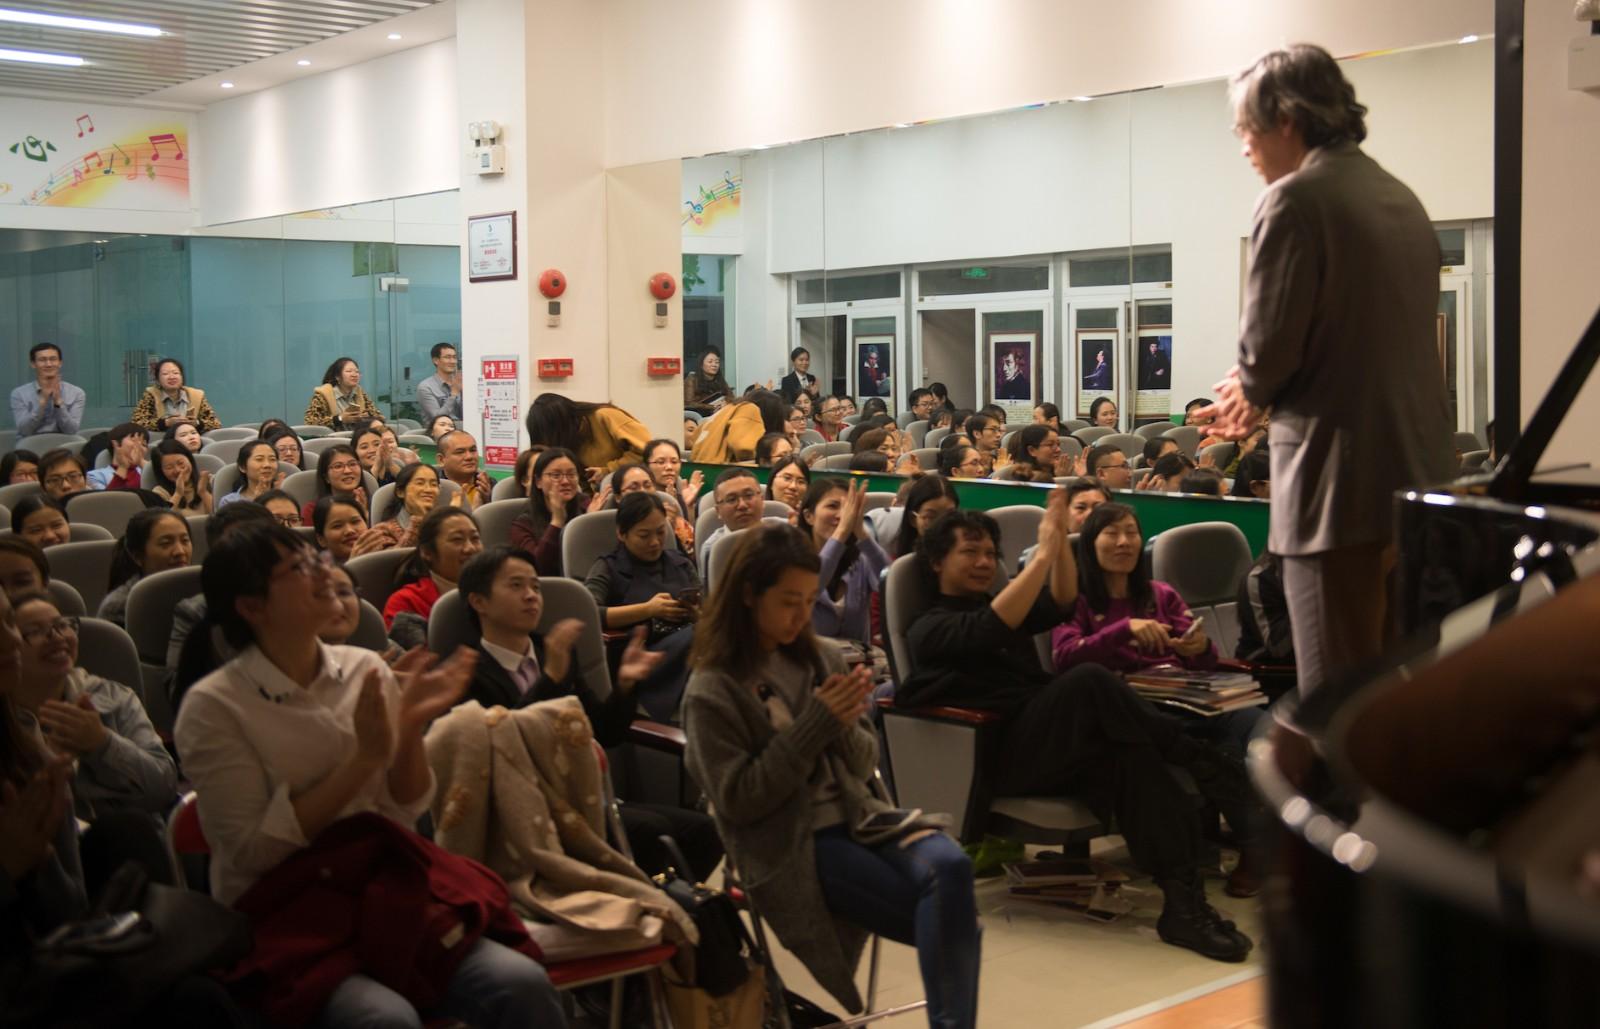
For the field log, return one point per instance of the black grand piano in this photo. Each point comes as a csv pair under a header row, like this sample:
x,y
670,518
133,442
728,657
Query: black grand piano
x,y
1439,856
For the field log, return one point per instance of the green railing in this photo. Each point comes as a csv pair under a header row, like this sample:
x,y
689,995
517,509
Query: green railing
x,y
1157,511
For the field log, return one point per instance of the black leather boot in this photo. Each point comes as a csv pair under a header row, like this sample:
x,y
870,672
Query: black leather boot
x,y
1188,920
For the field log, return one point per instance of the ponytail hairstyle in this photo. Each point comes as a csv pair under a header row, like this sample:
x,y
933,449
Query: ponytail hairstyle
x,y
126,560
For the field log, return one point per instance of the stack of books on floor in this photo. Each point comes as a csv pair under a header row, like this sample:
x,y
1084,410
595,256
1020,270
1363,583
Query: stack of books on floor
x,y
1088,886
1201,693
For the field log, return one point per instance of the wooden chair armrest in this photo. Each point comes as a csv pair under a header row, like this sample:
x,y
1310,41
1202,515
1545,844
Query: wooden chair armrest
x,y
658,736
943,713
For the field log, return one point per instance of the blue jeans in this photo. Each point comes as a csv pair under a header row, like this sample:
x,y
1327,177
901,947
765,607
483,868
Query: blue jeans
x,y
919,895
494,988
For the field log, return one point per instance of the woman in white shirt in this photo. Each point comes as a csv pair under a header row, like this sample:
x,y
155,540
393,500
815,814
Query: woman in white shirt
x,y
293,735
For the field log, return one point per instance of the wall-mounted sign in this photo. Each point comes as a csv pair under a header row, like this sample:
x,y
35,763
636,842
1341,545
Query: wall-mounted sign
x,y
501,408
492,247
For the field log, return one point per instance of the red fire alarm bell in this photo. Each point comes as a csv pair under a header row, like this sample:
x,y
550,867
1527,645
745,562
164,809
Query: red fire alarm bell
x,y
552,284
662,367
555,367
662,286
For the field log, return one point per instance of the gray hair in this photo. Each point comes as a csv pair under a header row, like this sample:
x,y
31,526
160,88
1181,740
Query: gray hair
x,y
1303,84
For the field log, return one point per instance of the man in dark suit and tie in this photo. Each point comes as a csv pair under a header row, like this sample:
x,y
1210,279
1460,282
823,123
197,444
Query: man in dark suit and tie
x,y
1155,367
1337,340
517,666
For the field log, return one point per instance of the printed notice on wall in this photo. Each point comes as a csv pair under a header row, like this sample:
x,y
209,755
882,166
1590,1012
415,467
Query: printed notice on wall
x,y
502,408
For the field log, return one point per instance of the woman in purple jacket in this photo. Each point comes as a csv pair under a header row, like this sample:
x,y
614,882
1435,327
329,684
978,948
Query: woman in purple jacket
x,y
831,514
1123,619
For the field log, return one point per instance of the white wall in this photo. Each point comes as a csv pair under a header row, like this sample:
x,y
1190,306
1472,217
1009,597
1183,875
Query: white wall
x,y
704,76
381,129
1561,223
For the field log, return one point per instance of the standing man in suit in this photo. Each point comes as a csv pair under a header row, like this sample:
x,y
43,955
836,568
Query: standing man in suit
x,y
1337,340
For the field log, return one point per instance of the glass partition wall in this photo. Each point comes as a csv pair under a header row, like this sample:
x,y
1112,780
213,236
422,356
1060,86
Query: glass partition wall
x,y
255,311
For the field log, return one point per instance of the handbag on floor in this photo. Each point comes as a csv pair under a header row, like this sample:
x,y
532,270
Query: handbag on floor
x,y
141,941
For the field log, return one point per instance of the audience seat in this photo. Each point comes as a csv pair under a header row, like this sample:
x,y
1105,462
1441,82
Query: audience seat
x,y
1126,442
927,459
208,463
68,600
1074,424
495,518
306,432
405,425
370,633
302,486
227,477
934,436
1472,461
374,573
11,494
8,440
109,509
1468,441
414,439
709,520
1205,561
1091,435
321,443
939,756
43,441
1150,430
88,533
874,501
149,619
1019,529
918,431
835,463
1220,454
104,649
449,627
86,565
1187,437
197,538
721,555
218,435
884,524
507,489
225,449
810,437
585,540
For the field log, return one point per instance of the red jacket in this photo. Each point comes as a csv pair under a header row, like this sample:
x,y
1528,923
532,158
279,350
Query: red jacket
x,y
368,896
417,597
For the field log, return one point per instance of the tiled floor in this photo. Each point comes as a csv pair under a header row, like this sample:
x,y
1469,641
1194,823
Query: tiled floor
x,y
1043,967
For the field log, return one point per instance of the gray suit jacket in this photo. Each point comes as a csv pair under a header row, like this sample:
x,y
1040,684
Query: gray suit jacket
x,y
1338,338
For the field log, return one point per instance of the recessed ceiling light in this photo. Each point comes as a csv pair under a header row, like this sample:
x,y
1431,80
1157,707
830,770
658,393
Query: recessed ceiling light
x,y
394,35
1082,99
302,62
32,57
58,21
227,85
1469,39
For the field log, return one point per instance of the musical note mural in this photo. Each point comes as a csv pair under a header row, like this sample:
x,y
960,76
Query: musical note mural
x,y
114,158
712,188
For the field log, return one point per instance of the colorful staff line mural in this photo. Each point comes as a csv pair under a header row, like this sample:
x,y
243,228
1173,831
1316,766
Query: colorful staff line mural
x,y
711,205
56,155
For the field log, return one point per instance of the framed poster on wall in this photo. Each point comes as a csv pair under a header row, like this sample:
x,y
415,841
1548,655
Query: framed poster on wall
x,y
1096,367
492,247
874,361
1154,397
1013,359
501,407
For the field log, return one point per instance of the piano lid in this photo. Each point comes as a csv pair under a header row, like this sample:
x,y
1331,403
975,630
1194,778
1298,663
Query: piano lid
x,y
1518,478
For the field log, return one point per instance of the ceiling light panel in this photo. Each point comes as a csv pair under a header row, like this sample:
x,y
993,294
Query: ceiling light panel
x,y
199,38
58,21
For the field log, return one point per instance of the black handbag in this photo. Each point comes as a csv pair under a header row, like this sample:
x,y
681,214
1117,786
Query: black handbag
x,y
723,957
142,940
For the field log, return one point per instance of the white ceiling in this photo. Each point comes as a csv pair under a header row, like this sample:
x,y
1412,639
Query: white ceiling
x,y
252,43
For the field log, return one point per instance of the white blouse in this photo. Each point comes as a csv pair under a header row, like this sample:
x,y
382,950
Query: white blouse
x,y
251,740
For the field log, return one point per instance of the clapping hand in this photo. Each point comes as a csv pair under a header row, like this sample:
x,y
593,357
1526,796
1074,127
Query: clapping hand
x,y
73,729
558,644
30,815
637,663
1053,527
370,720
430,687
1234,416
852,515
845,696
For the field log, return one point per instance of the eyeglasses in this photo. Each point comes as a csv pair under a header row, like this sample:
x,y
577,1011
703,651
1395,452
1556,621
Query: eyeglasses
x,y
292,519
69,479
64,626
561,476
307,564
748,496
344,466
666,462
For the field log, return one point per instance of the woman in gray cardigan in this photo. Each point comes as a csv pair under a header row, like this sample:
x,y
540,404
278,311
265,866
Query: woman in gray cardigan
x,y
779,742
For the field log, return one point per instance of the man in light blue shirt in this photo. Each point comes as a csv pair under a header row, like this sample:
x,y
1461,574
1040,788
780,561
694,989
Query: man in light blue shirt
x,y
48,404
440,393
